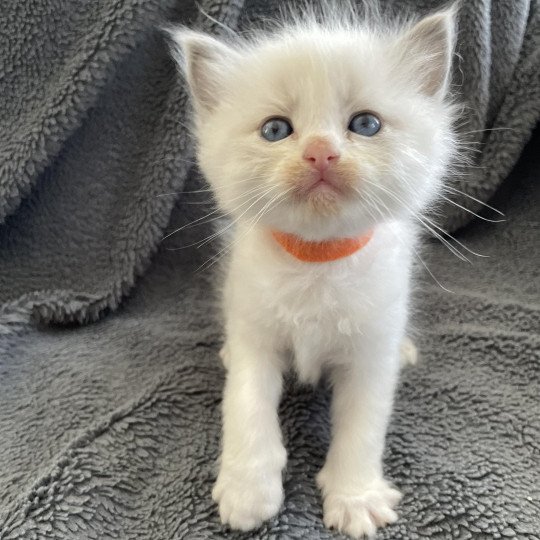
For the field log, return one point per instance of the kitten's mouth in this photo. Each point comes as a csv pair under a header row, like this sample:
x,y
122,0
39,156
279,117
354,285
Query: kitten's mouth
x,y
321,185
323,192
322,195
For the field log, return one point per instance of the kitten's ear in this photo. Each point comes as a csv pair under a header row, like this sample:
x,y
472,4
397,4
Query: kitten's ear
x,y
204,61
429,46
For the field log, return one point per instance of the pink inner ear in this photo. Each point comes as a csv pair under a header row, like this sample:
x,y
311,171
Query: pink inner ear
x,y
430,43
205,58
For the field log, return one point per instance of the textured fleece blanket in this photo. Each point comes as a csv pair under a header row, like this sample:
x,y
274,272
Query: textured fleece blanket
x,y
111,429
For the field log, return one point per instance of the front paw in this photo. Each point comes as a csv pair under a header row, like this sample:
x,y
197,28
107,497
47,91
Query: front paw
x,y
360,511
247,497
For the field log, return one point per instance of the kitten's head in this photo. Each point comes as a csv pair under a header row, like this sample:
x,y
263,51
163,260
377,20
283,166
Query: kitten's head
x,y
323,130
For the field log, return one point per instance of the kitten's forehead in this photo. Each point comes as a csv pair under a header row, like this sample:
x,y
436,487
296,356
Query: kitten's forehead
x,y
310,73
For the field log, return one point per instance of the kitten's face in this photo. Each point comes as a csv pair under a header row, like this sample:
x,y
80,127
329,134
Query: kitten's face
x,y
322,134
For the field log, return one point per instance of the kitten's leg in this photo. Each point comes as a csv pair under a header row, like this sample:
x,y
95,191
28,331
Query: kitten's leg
x,y
357,499
249,485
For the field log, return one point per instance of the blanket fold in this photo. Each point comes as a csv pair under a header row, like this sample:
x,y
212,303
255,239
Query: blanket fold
x,y
90,197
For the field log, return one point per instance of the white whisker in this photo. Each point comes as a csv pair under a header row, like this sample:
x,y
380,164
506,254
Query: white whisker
x,y
266,208
455,190
422,221
216,218
415,252
471,212
192,224
215,257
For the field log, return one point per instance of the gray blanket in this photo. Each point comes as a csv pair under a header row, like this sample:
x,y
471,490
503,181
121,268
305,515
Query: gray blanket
x,y
111,429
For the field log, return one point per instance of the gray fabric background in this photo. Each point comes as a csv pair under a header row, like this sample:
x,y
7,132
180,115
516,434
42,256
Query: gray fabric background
x,y
111,429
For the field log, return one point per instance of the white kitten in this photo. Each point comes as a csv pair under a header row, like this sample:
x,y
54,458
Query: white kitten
x,y
309,136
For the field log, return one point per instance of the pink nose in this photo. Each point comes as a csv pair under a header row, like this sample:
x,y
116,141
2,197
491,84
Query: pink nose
x,y
321,154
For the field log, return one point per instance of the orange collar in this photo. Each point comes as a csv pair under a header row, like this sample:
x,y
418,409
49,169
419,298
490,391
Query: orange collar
x,y
319,252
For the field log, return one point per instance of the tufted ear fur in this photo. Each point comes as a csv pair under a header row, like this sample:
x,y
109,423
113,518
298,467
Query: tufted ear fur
x,y
427,50
205,62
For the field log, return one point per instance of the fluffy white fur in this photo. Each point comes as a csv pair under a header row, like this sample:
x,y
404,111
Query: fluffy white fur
x,y
345,318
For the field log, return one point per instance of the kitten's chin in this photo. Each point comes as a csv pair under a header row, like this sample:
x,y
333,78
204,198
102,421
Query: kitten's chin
x,y
321,218
322,200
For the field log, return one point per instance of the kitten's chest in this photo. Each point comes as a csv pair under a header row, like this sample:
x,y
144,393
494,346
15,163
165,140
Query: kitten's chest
x,y
319,317
304,301
321,304
313,306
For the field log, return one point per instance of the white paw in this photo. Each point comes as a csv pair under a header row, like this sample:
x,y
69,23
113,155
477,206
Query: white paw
x,y
408,352
246,498
358,513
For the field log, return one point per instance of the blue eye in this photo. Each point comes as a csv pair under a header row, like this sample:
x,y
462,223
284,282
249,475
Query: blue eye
x,y
365,124
276,129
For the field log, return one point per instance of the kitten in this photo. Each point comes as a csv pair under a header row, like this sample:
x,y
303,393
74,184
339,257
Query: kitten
x,y
322,141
